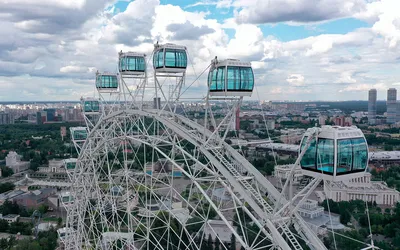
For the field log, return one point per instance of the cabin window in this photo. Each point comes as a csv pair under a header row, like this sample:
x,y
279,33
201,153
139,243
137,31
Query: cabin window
x,y
326,155
360,154
308,160
345,156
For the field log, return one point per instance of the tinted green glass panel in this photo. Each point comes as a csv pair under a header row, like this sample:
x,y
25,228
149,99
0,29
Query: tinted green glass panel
x,y
170,58
132,63
308,160
214,80
360,154
233,79
160,62
345,156
326,155
80,135
91,106
221,78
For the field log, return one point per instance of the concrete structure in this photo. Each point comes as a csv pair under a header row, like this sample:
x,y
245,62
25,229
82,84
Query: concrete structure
x,y
46,226
362,188
35,198
391,106
310,209
55,166
10,218
218,227
322,120
162,167
283,171
10,195
386,158
13,161
372,94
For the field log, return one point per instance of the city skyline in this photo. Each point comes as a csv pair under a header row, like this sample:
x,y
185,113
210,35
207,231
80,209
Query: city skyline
x,y
296,54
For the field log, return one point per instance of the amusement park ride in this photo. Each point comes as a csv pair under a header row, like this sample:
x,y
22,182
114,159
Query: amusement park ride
x,y
148,177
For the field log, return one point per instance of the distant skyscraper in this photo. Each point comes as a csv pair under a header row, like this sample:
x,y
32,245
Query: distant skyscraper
x,y
156,102
6,118
372,106
391,106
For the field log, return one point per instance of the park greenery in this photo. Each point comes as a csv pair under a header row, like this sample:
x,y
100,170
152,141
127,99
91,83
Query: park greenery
x,y
390,175
45,241
384,223
7,186
36,143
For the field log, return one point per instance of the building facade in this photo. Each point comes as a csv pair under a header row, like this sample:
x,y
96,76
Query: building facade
x,y
362,188
6,118
13,161
372,94
391,106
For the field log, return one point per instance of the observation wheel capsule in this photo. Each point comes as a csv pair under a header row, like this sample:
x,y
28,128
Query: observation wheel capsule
x,y
107,82
131,63
169,58
334,153
79,134
70,164
91,105
230,77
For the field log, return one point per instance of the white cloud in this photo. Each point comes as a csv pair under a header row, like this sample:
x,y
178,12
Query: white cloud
x,y
303,11
364,87
63,62
346,77
74,69
295,79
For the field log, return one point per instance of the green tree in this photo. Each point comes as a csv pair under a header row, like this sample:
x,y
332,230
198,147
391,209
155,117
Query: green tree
x,y
7,186
217,244
6,171
4,226
210,242
59,221
233,242
194,224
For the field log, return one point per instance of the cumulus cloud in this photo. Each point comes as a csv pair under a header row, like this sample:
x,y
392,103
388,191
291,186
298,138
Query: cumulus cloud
x,y
187,31
302,11
50,16
295,79
346,77
63,62
364,87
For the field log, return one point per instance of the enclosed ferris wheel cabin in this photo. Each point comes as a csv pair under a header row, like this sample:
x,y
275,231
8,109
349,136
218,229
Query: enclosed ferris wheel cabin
x,y
131,63
107,82
334,153
170,58
91,106
230,77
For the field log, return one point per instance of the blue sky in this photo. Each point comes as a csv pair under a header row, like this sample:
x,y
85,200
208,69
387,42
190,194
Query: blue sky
x,y
302,50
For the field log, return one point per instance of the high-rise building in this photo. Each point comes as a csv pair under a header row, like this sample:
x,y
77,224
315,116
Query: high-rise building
x,y
51,114
6,118
372,106
391,106
156,102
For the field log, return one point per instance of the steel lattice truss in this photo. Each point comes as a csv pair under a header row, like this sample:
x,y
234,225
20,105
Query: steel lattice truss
x,y
154,179
115,193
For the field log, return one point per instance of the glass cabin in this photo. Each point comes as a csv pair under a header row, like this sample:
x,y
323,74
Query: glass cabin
x,y
79,133
70,164
131,63
91,105
106,82
230,78
335,153
170,58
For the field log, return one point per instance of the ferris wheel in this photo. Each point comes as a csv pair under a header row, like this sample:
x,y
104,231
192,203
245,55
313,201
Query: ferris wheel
x,y
148,177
